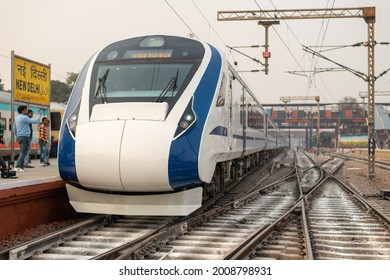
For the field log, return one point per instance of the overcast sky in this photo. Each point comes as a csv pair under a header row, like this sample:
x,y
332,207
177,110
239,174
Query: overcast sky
x,y
67,33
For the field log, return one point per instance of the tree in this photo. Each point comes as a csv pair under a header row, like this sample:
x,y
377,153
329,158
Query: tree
x,y
1,85
60,91
71,78
349,103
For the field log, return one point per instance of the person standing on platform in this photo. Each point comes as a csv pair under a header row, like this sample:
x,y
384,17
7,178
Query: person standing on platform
x,y
3,167
1,132
2,161
27,160
44,141
22,133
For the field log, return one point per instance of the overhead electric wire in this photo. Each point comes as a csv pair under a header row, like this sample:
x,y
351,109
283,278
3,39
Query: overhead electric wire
x,y
223,42
298,64
187,25
4,56
383,73
355,72
288,49
210,26
254,59
315,61
166,1
337,47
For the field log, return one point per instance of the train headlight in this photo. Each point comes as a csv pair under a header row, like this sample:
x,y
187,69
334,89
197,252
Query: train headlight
x,y
184,124
186,120
72,120
189,117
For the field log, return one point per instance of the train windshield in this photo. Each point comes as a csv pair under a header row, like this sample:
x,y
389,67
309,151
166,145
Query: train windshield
x,y
145,69
149,82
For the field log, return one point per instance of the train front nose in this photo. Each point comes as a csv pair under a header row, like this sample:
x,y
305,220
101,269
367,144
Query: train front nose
x,y
144,156
125,148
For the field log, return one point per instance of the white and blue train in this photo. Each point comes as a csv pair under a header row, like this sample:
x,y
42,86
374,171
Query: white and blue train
x,y
157,123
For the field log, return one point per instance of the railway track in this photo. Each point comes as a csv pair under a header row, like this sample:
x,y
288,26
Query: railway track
x,y
378,162
337,224
89,238
344,226
287,238
218,233
324,219
291,236
310,173
95,238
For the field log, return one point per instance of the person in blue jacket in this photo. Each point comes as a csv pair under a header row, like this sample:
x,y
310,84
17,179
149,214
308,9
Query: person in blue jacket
x,y
22,132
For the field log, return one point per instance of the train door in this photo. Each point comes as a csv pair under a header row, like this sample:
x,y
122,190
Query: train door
x,y
3,130
230,96
244,118
237,116
265,125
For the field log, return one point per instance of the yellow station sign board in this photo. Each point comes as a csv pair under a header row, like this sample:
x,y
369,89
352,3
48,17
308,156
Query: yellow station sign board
x,y
31,82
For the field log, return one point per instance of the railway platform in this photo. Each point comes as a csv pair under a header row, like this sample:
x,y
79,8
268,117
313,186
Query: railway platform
x,y
35,197
33,176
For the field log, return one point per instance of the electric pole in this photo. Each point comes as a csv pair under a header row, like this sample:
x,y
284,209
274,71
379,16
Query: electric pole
x,y
366,13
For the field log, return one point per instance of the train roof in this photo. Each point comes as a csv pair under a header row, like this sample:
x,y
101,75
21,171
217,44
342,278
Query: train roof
x,y
5,97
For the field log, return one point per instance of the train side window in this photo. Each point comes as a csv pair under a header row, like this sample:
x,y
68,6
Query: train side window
x,y
222,92
10,125
255,116
55,118
3,129
3,122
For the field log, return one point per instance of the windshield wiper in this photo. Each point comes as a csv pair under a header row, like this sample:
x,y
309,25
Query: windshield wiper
x,y
171,86
102,87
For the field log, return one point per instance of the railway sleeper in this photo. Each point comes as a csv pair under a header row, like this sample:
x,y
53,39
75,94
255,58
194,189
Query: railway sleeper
x,y
210,250
326,255
76,251
277,255
59,257
182,256
355,243
95,245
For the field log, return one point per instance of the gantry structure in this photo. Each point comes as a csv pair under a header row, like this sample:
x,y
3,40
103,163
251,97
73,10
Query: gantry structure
x,y
366,13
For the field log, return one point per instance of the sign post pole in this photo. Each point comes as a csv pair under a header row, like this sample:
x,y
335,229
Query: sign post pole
x,y
12,110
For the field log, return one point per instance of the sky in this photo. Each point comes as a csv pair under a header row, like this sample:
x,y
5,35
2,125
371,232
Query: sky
x,y
66,34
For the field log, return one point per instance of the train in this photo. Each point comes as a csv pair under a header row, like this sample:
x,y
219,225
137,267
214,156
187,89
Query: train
x,y
54,113
156,124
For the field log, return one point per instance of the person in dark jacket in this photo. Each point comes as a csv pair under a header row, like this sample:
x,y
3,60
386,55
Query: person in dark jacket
x,y
27,159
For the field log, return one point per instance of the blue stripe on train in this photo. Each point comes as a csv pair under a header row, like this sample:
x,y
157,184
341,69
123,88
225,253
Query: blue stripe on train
x,y
183,156
66,156
66,144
